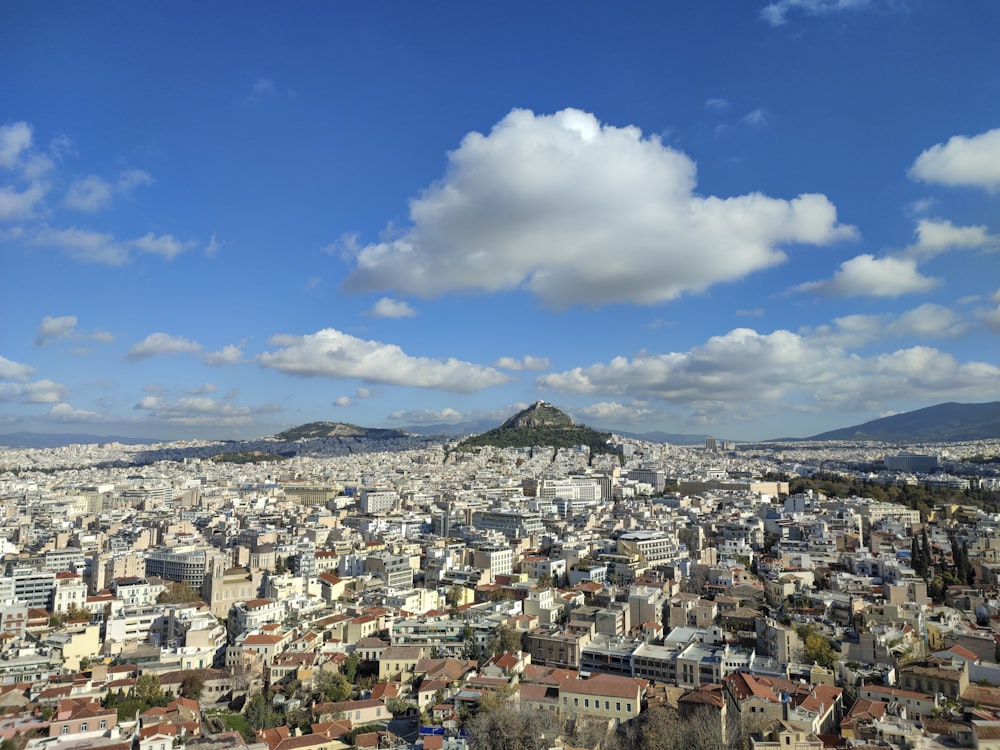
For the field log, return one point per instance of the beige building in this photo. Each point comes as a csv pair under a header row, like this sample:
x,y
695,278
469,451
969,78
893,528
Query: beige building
x,y
603,696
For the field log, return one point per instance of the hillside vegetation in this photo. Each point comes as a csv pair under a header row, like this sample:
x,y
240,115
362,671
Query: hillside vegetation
x,y
540,424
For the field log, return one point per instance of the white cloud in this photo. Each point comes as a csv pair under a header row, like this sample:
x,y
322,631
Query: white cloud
x,y
201,410
11,370
89,194
133,178
758,118
343,401
203,389
745,373
230,354
37,392
991,315
213,246
15,139
776,13
525,363
716,104
583,213
362,393
63,412
162,344
927,321
428,416
332,353
97,247
613,412
262,88
93,193
15,205
84,245
54,328
391,308
866,275
919,207
58,328
166,245
21,199
347,246
962,161
935,236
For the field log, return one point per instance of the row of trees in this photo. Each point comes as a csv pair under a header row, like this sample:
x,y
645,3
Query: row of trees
x,y
501,724
148,693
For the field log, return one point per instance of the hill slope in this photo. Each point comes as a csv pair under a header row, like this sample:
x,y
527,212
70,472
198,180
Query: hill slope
x,y
540,424
314,430
943,422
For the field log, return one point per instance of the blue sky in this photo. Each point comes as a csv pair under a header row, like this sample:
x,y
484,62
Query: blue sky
x,y
749,219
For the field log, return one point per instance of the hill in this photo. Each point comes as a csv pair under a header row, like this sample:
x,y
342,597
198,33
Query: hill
x,y
314,430
940,423
540,424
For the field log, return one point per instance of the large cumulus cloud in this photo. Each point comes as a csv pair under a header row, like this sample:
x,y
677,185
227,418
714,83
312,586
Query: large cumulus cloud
x,y
579,212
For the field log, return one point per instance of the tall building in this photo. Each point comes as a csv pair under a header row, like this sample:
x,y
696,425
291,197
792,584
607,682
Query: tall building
x,y
187,563
911,463
513,524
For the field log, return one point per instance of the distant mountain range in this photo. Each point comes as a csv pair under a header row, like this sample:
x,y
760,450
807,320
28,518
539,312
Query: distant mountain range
x,y
940,423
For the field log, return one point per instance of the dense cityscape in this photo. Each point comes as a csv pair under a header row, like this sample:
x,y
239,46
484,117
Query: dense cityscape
x,y
402,592
499,376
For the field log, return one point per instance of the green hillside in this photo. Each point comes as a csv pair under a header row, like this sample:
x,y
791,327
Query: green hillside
x,y
540,424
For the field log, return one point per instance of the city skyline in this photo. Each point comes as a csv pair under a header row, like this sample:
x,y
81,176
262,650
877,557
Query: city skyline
x,y
751,220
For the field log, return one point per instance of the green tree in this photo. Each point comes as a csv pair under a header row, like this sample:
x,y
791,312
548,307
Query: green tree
x,y
298,718
506,639
179,592
280,567
503,725
332,686
148,690
259,714
192,686
398,706
454,596
351,664
350,736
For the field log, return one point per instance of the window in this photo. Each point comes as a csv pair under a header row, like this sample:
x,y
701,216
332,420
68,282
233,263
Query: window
x,y
84,726
103,724
65,729
628,707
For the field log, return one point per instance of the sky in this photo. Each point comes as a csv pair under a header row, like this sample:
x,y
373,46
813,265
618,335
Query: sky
x,y
751,219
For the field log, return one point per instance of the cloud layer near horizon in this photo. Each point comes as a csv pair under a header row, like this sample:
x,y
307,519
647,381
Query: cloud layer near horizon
x,y
740,373
578,212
